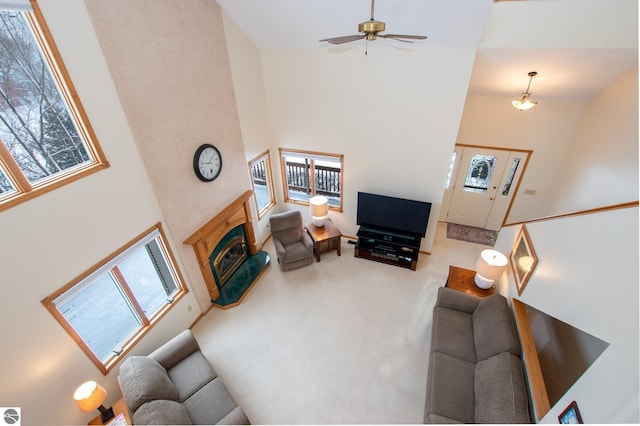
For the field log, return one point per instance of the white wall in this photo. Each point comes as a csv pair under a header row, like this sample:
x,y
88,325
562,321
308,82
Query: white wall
x,y
248,84
393,114
171,69
587,276
600,165
48,241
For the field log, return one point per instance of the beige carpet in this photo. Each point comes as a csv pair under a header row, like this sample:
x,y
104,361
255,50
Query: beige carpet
x,y
343,341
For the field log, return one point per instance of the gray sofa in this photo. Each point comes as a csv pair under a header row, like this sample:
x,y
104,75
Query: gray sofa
x,y
475,373
175,384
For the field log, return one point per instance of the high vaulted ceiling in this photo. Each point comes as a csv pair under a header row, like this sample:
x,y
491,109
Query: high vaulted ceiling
x,y
576,46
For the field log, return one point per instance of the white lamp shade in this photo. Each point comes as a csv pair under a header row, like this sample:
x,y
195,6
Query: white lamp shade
x,y
319,209
489,267
89,396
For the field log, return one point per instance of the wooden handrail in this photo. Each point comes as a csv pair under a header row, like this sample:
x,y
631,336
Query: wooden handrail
x,y
578,213
531,361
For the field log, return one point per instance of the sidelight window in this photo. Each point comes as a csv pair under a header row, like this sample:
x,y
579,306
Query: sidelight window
x,y
110,307
512,173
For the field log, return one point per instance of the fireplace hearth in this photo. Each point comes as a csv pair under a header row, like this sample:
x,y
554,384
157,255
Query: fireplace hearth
x,y
228,255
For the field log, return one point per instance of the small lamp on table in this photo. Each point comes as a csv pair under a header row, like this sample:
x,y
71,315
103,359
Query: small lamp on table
x,y
89,396
489,268
319,209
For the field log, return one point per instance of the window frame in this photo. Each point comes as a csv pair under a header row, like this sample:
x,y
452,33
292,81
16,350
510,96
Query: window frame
x,y
24,190
266,157
110,265
311,156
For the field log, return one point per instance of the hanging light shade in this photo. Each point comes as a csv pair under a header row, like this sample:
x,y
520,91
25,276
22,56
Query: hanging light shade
x,y
524,103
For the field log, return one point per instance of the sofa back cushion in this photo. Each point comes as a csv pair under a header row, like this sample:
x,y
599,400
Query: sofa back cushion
x,y
176,349
287,227
493,328
191,374
500,390
142,380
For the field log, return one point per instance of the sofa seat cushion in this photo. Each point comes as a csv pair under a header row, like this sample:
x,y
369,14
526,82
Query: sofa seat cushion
x,y
236,417
439,420
190,374
210,404
493,328
143,379
450,390
453,333
161,412
500,391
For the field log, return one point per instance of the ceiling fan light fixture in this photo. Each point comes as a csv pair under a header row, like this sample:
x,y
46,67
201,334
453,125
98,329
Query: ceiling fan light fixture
x,y
524,103
371,27
370,30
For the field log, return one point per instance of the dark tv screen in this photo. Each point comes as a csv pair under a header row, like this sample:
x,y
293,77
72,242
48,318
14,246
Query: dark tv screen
x,y
393,213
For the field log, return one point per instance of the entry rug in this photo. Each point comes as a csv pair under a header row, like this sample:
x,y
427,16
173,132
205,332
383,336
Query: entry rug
x,y
471,234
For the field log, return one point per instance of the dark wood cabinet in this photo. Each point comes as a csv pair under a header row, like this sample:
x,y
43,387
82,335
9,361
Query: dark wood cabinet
x,y
387,246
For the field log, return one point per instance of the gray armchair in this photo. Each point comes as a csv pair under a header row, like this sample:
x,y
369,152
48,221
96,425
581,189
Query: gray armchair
x,y
294,247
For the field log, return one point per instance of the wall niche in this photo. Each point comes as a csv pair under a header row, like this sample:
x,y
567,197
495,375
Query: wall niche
x,y
556,354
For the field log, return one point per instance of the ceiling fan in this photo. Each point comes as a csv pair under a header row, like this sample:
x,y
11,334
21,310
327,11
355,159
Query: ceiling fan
x,y
371,30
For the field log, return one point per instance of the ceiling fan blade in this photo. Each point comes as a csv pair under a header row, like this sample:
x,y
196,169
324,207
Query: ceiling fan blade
x,y
344,39
401,36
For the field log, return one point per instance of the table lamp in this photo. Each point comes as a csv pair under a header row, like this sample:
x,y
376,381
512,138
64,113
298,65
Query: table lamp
x,y
319,209
90,396
489,267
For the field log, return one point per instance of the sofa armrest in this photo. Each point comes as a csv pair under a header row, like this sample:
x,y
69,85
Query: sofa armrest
x,y
457,300
308,242
279,247
176,349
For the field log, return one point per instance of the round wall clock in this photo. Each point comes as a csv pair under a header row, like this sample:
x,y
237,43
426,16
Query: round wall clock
x,y
207,162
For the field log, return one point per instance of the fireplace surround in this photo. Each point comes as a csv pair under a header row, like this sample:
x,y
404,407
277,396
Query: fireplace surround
x,y
228,254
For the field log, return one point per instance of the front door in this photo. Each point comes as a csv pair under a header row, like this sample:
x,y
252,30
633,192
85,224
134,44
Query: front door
x,y
483,182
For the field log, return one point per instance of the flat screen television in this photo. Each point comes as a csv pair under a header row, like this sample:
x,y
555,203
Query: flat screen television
x,y
391,213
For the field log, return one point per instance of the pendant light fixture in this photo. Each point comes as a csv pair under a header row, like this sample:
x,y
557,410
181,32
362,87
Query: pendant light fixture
x,y
524,103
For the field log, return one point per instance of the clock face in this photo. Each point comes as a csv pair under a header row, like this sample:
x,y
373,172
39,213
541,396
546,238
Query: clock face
x,y
207,162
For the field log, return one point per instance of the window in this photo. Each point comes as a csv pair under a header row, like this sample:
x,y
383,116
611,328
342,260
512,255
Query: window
x,y
452,164
47,140
307,174
479,173
260,169
512,173
112,305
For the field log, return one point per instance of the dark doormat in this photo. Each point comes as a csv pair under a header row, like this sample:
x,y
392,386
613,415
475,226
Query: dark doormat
x,y
471,234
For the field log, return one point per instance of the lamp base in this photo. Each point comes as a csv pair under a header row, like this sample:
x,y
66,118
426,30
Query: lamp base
x,y
318,221
105,413
483,282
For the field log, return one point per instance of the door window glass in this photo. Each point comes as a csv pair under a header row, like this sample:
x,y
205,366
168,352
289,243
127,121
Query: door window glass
x,y
479,173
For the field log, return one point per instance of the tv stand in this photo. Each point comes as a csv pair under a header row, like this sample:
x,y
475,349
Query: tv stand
x,y
388,246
